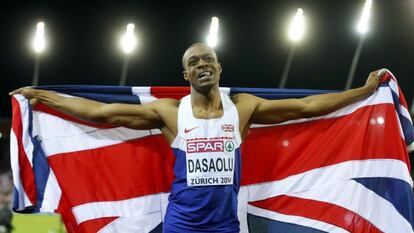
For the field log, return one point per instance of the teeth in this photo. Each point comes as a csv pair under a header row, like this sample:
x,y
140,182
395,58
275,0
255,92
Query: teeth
x,y
205,73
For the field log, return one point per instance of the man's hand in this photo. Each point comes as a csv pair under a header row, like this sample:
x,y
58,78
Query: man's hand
x,y
374,80
28,92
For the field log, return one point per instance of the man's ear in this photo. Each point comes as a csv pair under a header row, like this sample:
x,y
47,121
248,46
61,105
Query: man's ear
x,y
185,75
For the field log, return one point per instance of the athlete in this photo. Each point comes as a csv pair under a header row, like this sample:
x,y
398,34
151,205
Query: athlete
x,y
205,130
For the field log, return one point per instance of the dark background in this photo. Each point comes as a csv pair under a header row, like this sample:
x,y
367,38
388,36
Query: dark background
x,y
83,42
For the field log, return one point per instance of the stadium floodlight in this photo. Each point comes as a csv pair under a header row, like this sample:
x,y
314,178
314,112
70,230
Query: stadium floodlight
x,y
39,42
128,40
296,31
212,36
297,26
362,26
128,45
39,46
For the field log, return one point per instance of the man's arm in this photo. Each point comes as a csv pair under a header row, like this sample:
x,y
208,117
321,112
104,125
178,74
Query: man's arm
x,y
277,111
137,116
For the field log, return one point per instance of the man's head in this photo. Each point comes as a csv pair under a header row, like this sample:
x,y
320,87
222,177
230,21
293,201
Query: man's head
x,y
201,67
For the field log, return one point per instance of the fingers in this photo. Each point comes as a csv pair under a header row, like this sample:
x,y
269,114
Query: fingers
x,y
33,102
378,74
19,91
381,72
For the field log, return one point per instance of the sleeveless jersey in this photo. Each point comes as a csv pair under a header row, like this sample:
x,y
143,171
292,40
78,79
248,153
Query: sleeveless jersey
x,y
207,172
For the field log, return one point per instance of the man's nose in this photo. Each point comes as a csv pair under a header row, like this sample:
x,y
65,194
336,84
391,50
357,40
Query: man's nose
x,y
201,63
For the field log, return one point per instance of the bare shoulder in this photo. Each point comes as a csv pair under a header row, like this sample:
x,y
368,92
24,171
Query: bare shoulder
x,y
242,98
167,109
165,103
168,101
246,105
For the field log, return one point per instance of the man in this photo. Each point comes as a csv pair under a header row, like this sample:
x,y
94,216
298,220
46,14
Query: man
x,y
205,130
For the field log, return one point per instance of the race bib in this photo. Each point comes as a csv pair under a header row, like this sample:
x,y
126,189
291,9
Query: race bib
x,y
210,161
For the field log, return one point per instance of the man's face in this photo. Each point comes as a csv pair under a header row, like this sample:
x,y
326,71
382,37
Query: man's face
x,y
202,69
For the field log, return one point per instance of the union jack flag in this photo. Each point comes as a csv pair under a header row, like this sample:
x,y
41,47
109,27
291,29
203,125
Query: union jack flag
x,y
227,128
347,171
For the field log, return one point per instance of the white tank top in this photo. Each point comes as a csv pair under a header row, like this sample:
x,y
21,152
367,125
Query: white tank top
x,y
209,144
207,171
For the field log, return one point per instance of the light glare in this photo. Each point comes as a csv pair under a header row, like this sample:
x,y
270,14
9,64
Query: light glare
x,y
380,120
39,42
128,40
212,36
297,26
362,26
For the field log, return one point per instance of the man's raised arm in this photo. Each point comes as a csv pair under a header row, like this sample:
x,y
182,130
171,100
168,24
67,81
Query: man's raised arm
x,y
276,111
128,115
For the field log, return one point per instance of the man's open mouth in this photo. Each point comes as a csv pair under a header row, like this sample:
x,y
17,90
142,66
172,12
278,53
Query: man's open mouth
x,y
204,74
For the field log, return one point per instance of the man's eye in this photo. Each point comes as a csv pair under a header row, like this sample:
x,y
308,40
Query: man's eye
x,y
192,62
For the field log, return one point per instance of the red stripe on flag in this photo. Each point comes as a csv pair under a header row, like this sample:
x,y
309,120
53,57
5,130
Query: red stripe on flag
x,y
274,153
96,225
65,210
321,211
26,170
130,169
170,92
51,111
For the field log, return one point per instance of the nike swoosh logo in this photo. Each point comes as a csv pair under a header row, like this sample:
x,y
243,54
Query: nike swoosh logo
x,y
188,130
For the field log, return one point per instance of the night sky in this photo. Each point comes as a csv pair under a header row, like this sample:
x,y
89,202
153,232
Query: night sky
x,y
83,42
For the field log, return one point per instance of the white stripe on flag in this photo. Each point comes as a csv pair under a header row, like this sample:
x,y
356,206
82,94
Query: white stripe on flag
x,y
242,209
141,224
61,136
399,125
138,206
27,142
394,86
144,94
361,200
382,96
49,126
330,175
298,220
23,200
52,194
141,90
405,113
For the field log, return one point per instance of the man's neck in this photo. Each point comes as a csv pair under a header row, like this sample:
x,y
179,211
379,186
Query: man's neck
x,y
209,101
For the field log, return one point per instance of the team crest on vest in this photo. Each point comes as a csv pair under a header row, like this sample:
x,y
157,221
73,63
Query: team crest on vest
x,y
227,128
